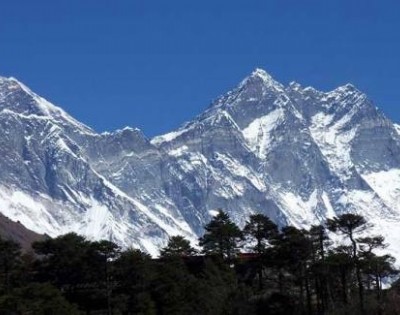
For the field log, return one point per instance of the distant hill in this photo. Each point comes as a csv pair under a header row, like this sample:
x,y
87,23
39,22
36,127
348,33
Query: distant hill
x,y
17,232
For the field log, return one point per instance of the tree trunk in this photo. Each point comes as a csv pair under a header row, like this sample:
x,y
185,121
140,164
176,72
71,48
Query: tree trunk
x,y
280,281
344,286
358,273
108,290
378,293
308,293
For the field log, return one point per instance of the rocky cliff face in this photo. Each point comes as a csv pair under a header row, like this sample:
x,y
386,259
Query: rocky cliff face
x,y
296,154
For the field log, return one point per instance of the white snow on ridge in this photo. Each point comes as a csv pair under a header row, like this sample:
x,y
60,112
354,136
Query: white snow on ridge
x,y
179,151
397,127
258,132
19,206
213,213
54,111
387,185
167,137
299,212
330,212
34,214
237,169
384,221
266,78
63,146
178,228
95,221
334,143
181,223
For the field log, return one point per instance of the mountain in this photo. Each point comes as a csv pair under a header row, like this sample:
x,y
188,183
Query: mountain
x,y
55,175
297,154
15,231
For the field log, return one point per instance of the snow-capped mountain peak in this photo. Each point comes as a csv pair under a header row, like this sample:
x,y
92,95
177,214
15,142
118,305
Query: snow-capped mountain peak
x,y
261,77
297,154
17,98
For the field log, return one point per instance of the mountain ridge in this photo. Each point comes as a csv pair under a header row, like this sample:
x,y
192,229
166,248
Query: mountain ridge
x,y
296,154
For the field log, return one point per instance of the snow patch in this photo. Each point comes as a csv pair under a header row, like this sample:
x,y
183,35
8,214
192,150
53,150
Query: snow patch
x,y
258,132
167,137
300,212
334,143
387,185
31,212
213,213
330,213
240,170
397,127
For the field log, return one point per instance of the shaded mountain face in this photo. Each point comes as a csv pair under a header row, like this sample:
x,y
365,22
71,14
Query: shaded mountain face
x,y
293,153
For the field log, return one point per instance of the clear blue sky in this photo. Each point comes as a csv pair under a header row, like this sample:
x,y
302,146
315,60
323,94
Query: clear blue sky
x,y
155,64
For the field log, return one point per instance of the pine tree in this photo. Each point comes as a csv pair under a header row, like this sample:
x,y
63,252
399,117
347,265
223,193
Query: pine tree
x,y
134,271
178,246
221,237
320,242
374,266
261,230
349,225
294,252
37,299
10,255
340,265
107,251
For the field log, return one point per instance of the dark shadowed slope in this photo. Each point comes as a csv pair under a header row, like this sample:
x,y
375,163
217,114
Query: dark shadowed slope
x,y
17,232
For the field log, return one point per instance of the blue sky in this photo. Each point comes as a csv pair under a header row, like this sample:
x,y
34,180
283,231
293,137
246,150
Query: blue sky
x,y
156,64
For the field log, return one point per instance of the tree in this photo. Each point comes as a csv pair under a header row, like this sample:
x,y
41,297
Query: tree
x,y
293,252
221,236
370,243
107,251
349,225
340,264
38,299
75,266
175,288
260,229
10,254
375,267
134,271
320,242
178,246
64,260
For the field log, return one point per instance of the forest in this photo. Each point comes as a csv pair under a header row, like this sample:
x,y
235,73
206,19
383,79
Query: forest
x,y
337,267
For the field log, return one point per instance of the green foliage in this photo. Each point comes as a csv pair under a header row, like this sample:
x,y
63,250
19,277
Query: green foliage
x,y
261,230
350,224
65,260
178,246
135,273
10,260
347,224
298,272
36,299
221,236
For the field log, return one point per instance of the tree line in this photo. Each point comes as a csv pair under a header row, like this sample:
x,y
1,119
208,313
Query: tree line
x,y
260,269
